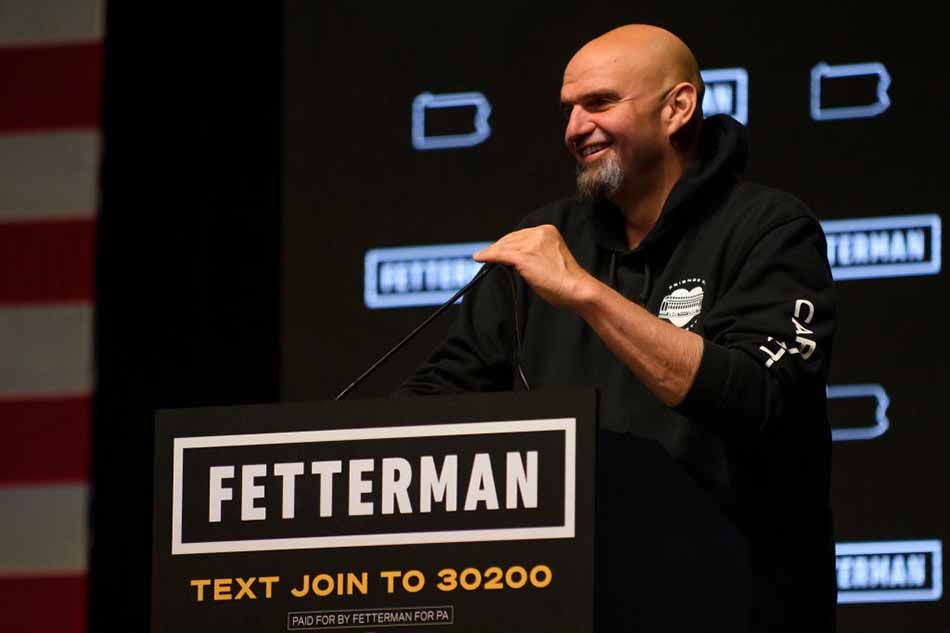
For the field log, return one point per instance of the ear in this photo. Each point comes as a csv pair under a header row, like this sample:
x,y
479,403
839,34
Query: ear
x,y
680,107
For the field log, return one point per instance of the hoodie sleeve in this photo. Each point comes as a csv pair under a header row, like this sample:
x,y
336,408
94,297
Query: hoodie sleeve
x,y
476,354
769,336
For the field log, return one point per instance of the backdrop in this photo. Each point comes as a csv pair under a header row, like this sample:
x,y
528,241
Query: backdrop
x,y
437,128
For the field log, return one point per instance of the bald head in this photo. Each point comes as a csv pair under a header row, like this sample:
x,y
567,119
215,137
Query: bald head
x,y
649,57
633,103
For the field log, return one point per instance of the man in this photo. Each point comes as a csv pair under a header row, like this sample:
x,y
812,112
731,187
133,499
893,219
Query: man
x,y
701,306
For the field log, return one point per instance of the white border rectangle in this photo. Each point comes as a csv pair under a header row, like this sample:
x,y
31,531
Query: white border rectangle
x,y
567,425
375,256
366,626
890,223
932,547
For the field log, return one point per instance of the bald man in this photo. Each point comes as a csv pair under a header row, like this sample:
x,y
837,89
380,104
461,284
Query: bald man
x,y
701,306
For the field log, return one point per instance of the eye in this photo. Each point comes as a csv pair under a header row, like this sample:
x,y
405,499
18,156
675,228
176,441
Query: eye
x,y
594,102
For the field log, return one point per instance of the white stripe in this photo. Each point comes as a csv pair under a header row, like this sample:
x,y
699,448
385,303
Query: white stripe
x,y
46,350
30,22
48,175
43,530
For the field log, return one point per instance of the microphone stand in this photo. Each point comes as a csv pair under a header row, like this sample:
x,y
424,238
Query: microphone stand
x,y
485,269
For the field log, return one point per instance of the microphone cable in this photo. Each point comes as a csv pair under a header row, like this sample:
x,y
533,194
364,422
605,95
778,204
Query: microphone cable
x,y
516,356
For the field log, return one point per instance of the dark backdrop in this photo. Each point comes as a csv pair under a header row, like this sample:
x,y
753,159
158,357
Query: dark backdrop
x,y
353,182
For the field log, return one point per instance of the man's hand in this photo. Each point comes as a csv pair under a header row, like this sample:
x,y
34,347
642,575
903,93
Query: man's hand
x,y
541,257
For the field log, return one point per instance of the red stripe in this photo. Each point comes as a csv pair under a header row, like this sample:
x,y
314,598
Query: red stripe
x,y
49,87
46,261
43,605
43,441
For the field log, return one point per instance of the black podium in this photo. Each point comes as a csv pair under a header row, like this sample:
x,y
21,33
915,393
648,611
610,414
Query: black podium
x,y
469,514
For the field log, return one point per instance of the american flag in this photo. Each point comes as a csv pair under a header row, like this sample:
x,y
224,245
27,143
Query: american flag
x,y
50,94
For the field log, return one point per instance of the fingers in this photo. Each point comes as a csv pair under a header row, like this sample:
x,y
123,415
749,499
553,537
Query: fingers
x,y
531,240
489,254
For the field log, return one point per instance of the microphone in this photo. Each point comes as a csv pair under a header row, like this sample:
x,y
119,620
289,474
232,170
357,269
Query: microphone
x,y
484,270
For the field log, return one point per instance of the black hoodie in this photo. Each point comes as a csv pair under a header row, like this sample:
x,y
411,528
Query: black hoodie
x,y
745,267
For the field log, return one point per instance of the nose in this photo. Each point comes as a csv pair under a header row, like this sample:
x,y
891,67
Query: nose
x,y
579,126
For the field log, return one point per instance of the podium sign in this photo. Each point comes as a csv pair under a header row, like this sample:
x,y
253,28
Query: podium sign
x,y
457,513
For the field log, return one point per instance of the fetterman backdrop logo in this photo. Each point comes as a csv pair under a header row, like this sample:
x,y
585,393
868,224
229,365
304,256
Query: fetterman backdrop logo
x,y
889,571
684,303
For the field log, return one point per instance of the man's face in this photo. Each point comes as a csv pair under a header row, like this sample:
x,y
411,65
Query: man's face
x,y
613,122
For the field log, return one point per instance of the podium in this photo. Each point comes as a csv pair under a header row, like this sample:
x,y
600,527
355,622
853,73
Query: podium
x,y
465,514
461,514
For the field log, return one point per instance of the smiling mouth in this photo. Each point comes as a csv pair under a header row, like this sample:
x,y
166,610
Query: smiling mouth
x,y
592,149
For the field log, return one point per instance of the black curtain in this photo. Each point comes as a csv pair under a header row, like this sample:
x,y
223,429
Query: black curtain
x,y
188,255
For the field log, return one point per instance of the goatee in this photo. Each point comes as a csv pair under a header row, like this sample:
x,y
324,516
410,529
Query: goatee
x,y
601,179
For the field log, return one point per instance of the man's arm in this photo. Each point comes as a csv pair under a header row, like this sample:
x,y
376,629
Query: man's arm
x,y
769,333
664,357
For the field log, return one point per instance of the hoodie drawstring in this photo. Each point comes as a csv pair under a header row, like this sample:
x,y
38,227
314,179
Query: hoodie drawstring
x,y
645,289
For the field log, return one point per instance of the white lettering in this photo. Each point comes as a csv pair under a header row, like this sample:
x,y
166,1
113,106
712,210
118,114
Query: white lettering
x,y
898,247
251,492
415,276
859,248
326,470
360,486
519,478
843,567
885,571
400,277
916,570
799,304
880,571
217,493
898,571
481,485
844,249
397,475
438,486
832,249
288,472
859,572
806,347
385,278
880,246
799,328
916,245
775,356
432,274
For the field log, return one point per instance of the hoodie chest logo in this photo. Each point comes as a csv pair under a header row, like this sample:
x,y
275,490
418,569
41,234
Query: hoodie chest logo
x,y
682,305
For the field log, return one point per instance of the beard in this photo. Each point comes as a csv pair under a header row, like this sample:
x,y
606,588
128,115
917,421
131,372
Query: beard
x,y
600,180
